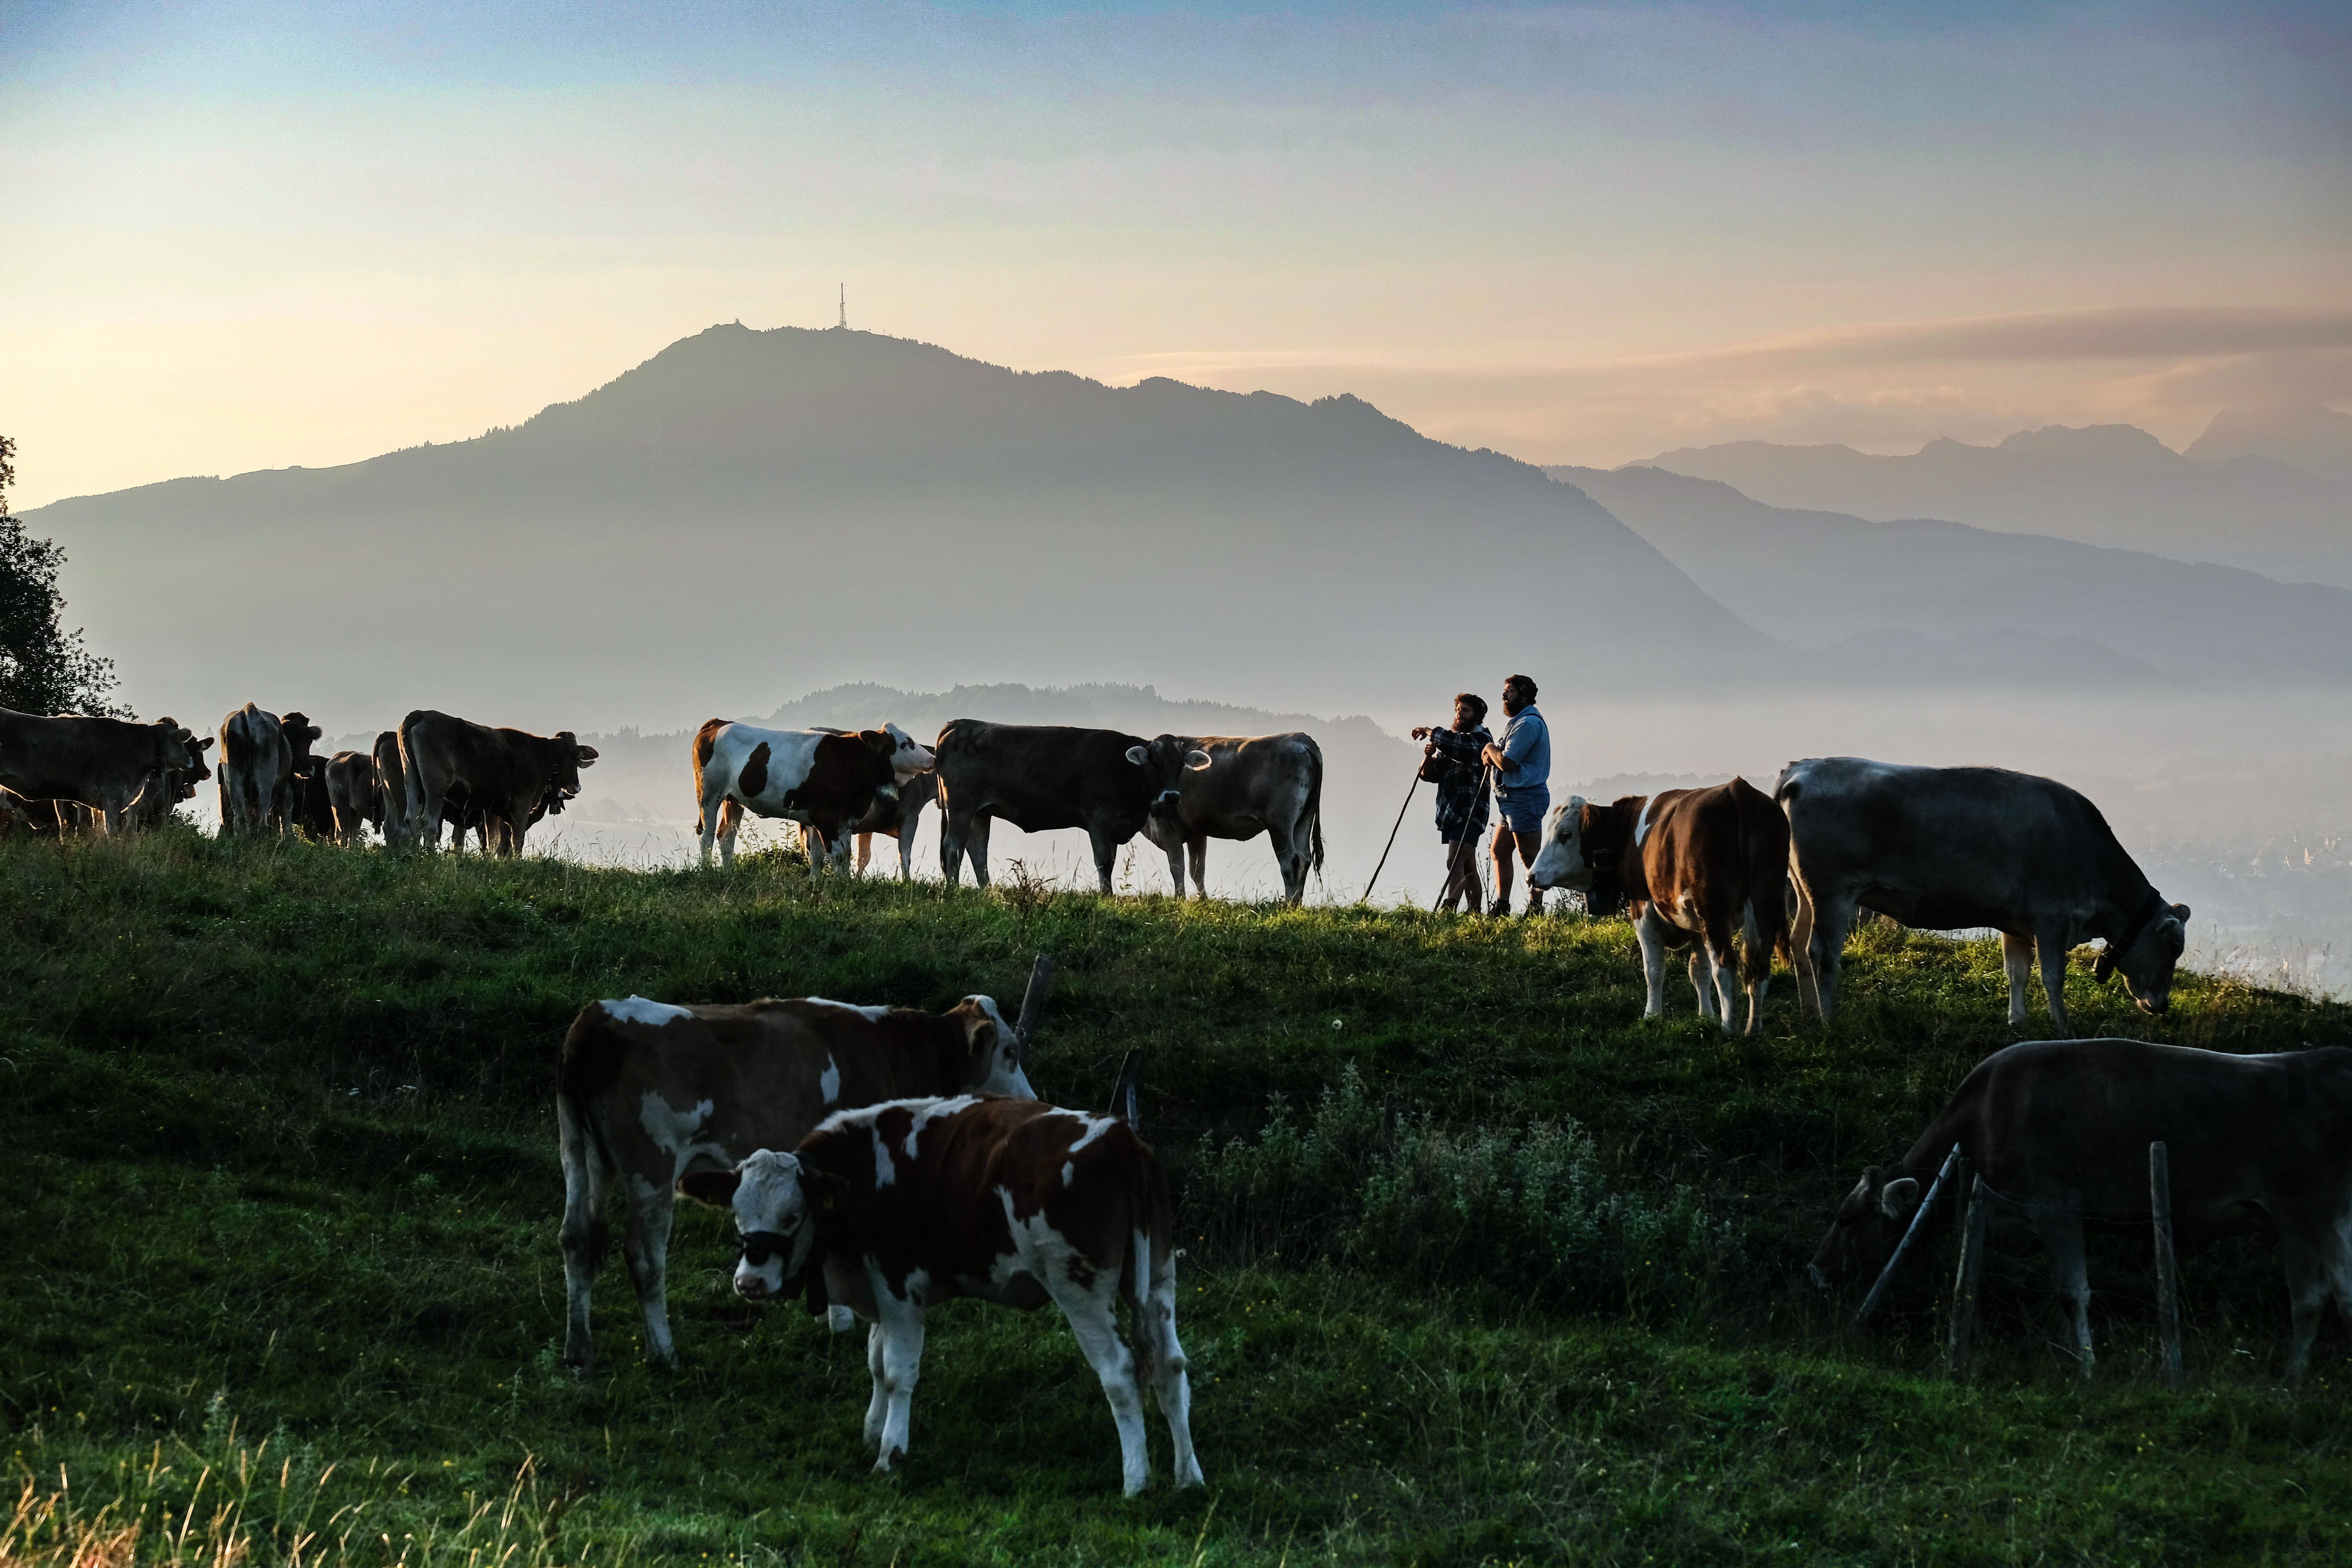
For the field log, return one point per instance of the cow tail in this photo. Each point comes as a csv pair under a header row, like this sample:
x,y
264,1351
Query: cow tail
x,y
1151,1225
592,1060
1764,853
706,740
1314,809
412,778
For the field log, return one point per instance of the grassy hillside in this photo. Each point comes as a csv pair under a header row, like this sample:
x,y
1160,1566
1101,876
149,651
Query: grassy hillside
x,y
1481,1267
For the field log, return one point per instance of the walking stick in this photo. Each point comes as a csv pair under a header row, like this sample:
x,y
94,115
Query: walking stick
x,y
1393,833
1461,846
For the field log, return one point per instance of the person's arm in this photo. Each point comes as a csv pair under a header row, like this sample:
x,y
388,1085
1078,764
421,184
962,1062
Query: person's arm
x,y
1454,745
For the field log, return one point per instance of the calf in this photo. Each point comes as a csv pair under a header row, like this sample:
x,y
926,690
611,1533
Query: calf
x,y
511,777
105,765
1041,776
355,796
896,1208
820,778
649,1091
2059,1130
1254,784
1948,848
1692,864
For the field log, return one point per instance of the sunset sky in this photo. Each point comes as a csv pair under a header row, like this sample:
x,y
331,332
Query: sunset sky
x,y
248,235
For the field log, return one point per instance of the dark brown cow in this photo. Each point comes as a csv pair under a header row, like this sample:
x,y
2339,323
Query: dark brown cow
x,y
2060,1129
355,796
1254,784
1043,776
302,802
891,818
1691,863
896,1208
824,779
156,805
509,776
105,765
391,792
648,1092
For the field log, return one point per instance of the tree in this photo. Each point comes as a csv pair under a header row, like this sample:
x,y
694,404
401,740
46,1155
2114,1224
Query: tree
x,y
44,669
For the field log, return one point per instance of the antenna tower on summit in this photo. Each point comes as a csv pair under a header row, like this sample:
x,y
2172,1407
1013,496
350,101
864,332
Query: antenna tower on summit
x,y
844,322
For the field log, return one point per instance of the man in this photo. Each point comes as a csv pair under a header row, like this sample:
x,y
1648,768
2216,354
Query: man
x,y
1522,762
1461,796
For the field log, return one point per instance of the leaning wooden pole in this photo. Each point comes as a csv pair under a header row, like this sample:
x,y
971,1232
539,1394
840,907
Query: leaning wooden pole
x,y
1903,1249
2168,1265
1968,1277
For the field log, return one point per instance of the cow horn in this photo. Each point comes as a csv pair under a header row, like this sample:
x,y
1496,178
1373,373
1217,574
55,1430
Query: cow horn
x,y
1033,1001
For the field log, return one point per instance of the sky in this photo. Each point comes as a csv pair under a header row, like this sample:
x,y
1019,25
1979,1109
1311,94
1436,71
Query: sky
x,y
254,235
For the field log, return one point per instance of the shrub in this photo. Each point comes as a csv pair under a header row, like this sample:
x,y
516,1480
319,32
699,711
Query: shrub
x,y
1523,1208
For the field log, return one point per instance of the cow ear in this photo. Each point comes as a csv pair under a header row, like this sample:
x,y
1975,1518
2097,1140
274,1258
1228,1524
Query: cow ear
x,y
1135,755
204,744
1196,760
716,1188
822,1191
1899,1197
2180,913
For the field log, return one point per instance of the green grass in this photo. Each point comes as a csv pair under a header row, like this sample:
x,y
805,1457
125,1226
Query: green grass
x,y
278,1275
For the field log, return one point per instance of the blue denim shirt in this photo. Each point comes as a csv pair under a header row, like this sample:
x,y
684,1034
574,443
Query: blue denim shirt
x,y
1526,753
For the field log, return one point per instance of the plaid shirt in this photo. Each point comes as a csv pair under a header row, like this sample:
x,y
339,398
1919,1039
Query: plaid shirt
x,y
1462,792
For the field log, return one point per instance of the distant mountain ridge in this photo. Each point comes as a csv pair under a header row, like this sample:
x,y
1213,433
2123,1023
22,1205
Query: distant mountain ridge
x,y
749,508
2310,436
2109,485
1943,602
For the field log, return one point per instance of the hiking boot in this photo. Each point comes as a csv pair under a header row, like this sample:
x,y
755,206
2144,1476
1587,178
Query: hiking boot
x,y
1500,909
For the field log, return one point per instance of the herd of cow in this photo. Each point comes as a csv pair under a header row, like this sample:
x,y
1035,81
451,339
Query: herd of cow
x,y
879,1161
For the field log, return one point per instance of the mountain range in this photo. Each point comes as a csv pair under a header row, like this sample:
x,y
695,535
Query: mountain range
x,y
751,511
2226,502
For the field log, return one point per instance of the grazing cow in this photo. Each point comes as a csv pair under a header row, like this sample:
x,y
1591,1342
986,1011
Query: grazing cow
x,y
256,756
512,778
391,792
823,779
648,1091
105,765
156,805
896,1208
1254,784
355,796
1692,864
1948,848
2059,1130
1041,776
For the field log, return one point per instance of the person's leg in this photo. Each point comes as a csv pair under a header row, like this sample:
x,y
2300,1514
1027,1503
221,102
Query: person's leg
x,y
1501,850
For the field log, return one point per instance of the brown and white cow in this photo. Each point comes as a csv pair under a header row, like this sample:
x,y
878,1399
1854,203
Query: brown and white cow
x,y
1687,864
891,818
1043,776
355,796
896,1208
1949,848
648,1092
822,778
2059,1130
1254,784
511,777
105,765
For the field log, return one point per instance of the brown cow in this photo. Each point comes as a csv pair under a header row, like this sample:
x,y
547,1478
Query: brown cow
x,y
1043,776
649,1091
509,776
2059,1130
355,796
896,1208
1691,863
1254,784
391,792
105,765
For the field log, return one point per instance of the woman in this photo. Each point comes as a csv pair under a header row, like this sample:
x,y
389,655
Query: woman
x,y
1461,797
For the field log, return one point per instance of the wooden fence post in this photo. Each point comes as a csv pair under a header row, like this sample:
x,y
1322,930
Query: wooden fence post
x,y
2167,1266
1967,1276
1903,1249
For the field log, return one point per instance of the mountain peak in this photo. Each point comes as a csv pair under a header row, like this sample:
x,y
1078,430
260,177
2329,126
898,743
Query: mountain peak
x,y
2103,443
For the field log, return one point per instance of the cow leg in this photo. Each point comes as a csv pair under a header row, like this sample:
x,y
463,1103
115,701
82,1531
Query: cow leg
x,y
1107,859
1175,848
646,1247
975,840
1826,947
1654,963
877,1405
1755,966
865,851
2053,949
900,1325
1163,1355
1701,974
1094,1321
906,852
2017,958
582,1235
1196,849
2061,1237
951,832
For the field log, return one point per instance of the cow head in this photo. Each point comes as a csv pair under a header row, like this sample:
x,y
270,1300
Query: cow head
x,y
564,757
1869,1224
300,733
1584,849
777,1202
2147,953
907,755
1165,760
994,1051
196,771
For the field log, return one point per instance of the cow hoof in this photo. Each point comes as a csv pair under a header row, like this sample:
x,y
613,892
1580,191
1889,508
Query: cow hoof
x,y
888,1462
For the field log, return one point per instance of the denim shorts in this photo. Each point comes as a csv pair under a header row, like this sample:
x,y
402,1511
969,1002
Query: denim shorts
x,y
1523,809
